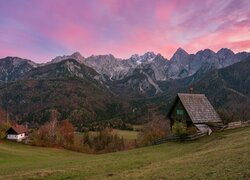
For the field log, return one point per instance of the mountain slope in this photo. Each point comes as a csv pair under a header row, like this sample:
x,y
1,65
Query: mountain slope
x,y
63,69
68,87
140,83
228,88
12,68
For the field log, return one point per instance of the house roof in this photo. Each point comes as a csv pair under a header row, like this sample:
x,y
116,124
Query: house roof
x,y
19,129
199,108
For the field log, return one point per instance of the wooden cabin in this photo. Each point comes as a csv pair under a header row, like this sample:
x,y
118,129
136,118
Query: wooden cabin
x,y
17,133
195,111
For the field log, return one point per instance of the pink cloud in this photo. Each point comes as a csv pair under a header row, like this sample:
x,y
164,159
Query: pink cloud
x,y
235,38
45,29
164,10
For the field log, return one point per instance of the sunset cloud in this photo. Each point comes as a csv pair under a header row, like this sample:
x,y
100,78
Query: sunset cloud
x,y
41,30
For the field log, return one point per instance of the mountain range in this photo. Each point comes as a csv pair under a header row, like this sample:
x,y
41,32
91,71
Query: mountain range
x,y
179,66
133,90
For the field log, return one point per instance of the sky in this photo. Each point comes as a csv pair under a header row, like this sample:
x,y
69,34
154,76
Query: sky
x,y
43,29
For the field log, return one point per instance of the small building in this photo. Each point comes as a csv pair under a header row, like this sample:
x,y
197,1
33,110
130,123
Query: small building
x,y
195,111
17,133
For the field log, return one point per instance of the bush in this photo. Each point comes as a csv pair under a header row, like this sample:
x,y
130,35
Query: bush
x,y
53,133
61,134
65,133
239,112
152,131
179,129
107,141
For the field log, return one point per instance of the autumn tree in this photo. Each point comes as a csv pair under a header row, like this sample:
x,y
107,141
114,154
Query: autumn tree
x,y
65,133
152,131
54,133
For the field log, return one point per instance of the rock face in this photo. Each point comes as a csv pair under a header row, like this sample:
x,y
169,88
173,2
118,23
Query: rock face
x,y
64,69
181,65
12,68
77,56
117,69
157,63
108,65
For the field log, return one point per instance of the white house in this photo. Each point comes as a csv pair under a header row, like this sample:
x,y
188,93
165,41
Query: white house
x,y
17,133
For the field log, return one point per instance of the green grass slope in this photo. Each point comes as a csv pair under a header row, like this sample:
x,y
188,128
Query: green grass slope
x,y
224,155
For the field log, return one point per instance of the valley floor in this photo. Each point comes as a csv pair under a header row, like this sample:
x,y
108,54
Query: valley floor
x,y
224,155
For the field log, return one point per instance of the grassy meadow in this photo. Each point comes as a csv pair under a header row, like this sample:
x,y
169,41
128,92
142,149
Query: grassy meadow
x,y
126,134
224,155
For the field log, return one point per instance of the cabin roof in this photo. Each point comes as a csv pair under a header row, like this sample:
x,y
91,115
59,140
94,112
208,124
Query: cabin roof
x,y
198,108
19,129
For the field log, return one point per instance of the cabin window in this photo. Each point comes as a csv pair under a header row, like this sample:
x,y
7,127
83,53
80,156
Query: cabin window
x,y
179,112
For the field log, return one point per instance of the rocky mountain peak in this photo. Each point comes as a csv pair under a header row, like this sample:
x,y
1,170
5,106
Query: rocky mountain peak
x,y
16,61
179,55
225,51
134,56
77,56
226,57
12,68
149,54
148,57
180,50
103,56
64,69
206,52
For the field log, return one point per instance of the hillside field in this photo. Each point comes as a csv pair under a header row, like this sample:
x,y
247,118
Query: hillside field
x,y
224,155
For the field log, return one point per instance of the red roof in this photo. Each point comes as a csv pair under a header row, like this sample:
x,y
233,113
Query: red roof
x,y
19,129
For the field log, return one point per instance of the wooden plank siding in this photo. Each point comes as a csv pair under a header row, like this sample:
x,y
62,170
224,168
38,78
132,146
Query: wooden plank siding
x,y
177,117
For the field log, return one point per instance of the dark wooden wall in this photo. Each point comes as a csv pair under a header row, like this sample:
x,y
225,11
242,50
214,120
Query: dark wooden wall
x,y
181,118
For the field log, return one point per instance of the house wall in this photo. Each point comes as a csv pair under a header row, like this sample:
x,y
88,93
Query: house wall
x,y
17,137
181,118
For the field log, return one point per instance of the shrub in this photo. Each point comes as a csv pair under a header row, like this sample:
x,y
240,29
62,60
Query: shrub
x,y
179,129
152,131
65,133
54,133
105,141
61,134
